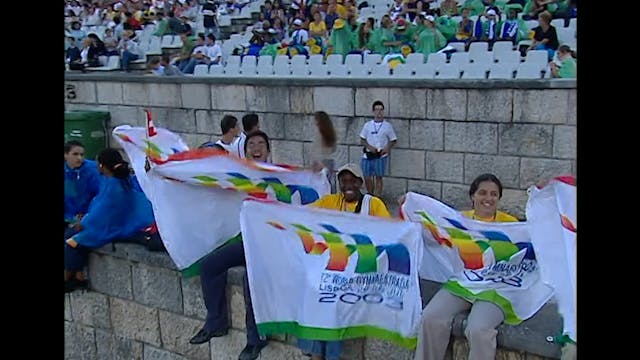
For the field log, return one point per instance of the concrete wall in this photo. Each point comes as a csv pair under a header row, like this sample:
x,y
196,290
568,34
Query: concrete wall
x,y
448,131
139,307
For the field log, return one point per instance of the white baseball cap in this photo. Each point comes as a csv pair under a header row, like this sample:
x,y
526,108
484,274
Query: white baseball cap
x,y
353,169
491,12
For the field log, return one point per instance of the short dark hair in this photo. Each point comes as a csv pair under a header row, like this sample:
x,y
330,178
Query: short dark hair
x,y
70,144
212,37
227,123
166,58
376,103
249,121
482,178
201,36
112,160
262,134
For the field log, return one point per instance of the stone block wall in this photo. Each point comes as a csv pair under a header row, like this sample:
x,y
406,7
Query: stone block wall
x,y
141,308
449,132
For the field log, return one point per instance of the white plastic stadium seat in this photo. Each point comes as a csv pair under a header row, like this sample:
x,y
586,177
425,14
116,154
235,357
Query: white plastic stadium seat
x,y
501,71
448,71
528,71
474,71
201,70
425,71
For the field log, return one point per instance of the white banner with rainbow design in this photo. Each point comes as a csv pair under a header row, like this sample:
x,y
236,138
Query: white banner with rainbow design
x,y
328,275
495,262
197,194
551,213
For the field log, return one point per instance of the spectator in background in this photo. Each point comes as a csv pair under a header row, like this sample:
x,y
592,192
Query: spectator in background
x,y
250,123
487,31
77,33
545,36
278,27
162,25
186,27
341,38
396,10
476,7
182,59
230,128
378,137
166,68
331,15
412,8
73,53
567,67
449,7
317,27
97,47
110,43
267,10
174,24
513,29
209,19
214,52
278,12
430,39
128,50
200,55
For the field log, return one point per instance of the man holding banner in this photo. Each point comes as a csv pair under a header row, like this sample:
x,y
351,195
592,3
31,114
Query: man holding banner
x,y
350,199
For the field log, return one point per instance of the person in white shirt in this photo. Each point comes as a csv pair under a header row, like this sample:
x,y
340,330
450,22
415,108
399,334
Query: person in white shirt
x,y
214,52
377,137
299,36
129,50
250,123
199,55
230,130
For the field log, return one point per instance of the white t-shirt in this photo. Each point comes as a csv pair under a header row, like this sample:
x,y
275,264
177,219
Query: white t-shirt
x,y
232,148
378,134
239,143
300,36
214,51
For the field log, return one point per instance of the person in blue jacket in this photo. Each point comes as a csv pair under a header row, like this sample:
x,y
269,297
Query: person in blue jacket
x,y
120,211
81,182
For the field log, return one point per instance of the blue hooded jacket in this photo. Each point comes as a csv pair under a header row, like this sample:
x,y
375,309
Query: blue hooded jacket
x,y
81,185
120,211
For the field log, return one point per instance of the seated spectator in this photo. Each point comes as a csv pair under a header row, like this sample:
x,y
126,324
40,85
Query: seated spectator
x,y
162,67
331,16
162,25
430,39
465,29
267,10
110,43
341,40
174,25
186,27
128,50
567,67
412,8
387,42
81,182
476,7
299,37
84,60
513,29
97,46
487,31
545,36
278,27
77,33
72,52
230,128
119,211
396,10
182,59
198,56
533,8
317,28
214,52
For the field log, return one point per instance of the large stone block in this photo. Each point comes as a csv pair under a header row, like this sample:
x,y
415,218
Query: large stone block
x,y
564,142
110,275
341,124
272,124
237,311
192,298
376,349
126,115
490,105
299,127
353,127
111,347
287,152
196,96
268,99
514,202
447,104
401,128
533,170
541,106
572,111
526,140
340,156
430,188
428,135
80,92
208,122
365,98
301,100
407,103
456,196
136,93
157,287
90,308
280,351
109,92
152,353
334,100
194,140
228,347
228,97
176,331
176,120
165,95
67,308
135,321
355,154
506,168
392,189
79,342
445,166
471,137
406,163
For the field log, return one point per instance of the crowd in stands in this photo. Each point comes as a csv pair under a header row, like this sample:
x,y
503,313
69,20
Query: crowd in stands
x,y
394,29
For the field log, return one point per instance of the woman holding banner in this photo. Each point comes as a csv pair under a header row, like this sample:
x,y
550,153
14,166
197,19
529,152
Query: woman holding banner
x,y
485,316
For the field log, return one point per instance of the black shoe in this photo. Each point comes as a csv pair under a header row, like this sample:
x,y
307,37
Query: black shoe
x,y
75,284
203,336
251,352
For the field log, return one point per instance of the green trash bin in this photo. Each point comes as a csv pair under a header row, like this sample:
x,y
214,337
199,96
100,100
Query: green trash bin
x,y
88,127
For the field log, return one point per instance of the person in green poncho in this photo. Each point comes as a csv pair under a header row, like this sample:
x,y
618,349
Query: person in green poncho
x,y
341,39
162,27
476,7
567,67
430,40
387,39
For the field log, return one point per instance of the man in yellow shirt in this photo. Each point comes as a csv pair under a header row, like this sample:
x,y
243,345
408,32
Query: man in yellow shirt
x,y
349,199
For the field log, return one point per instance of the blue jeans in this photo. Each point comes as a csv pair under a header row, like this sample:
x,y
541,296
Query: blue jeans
x,y
191,65
126,59
75,259
550,51
213,278
330,350
373,167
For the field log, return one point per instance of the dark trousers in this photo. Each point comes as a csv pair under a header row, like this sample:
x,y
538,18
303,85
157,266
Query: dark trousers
x,y
213,278
75,259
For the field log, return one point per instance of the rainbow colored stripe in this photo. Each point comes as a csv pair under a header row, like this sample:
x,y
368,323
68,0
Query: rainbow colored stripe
x,y
339,251
473,245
